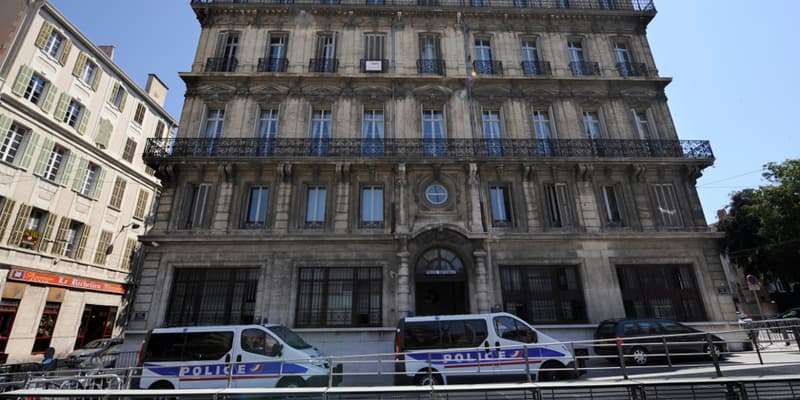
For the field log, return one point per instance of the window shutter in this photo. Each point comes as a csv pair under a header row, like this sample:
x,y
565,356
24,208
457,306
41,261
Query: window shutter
x,y
61,108
113,93
85,113
44,155
563,204
81,248
98,185
104,133
23,79
187,206
100,255
141,204
62,58
79,65
47,233
199,206
118,192
78,181
97,75
30,146
19,225
70,160
5,124
61,236
5,215
44,34
49,98
130,246
124,98
207,195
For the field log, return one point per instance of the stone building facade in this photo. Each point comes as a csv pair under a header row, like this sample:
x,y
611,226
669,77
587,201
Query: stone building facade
x,y
74,191
343,164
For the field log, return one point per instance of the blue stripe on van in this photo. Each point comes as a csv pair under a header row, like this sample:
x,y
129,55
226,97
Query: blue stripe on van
x,y
454,359
245,370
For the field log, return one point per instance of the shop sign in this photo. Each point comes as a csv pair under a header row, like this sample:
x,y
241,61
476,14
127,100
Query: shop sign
x,y
65,281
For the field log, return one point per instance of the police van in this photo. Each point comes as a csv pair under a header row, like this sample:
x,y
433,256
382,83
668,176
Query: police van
x,y
199,357
480,347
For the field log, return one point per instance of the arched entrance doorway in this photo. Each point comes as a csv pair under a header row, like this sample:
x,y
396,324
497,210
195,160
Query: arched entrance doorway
x,y
441,283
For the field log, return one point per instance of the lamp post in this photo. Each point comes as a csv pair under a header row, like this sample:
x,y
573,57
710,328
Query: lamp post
x,y
110,248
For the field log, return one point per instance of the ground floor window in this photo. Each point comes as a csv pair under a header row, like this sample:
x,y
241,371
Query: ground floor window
x,y
44,333
202,296
660,291
543,294
339,297
97,323
8,313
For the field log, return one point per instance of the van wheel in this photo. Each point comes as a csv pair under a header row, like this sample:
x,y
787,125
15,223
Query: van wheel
x,y
552,372
162,385
639,356
424,378
291,382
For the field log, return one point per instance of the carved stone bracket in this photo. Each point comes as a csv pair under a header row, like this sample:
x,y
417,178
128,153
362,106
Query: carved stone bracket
x,y
227,171
585,172
528,173
343,173
693,173
637,172
285,172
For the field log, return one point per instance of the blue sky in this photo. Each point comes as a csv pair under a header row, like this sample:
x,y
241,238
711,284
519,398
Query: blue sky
x,y
735,67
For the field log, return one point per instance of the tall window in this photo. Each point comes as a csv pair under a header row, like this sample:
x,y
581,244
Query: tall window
x,y
591,125
577,61
543,294
73,113
202,296
374,54
531,65
484,64
339,297
71,239
433,133
372,132
88,72
138,116
267,131
130,150
542,130
612,205
44,333
90,177
372,207
501,205
492,132
642,125
624,62
118,193
102,251
320,135
55,42
12,142
430,60
215,118
276,52
159,130
558,208
666,205
227,49
315,207
257,206
660,291
35,89
141,204
196,210
325,53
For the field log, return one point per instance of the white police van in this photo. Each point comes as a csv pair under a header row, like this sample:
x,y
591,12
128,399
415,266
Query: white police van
x,y
200,357
478,347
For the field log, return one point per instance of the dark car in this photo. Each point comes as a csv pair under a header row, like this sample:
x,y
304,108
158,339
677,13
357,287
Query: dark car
x,y
643,339
95,347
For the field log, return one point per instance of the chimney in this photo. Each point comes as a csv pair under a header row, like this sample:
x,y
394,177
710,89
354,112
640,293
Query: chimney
x,y
109,50
156,89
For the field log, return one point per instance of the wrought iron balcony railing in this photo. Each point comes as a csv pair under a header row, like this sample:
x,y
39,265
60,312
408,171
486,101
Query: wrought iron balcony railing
x,y
221,64
627,69
521,149
611,5
584,68
323,65
271,64
536,68
488,67
374,65
436,67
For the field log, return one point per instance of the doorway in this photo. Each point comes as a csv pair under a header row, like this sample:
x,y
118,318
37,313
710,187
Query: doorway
x,y
97,323
441,285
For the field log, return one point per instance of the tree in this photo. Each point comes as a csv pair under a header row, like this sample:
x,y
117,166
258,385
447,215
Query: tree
x,y
762,226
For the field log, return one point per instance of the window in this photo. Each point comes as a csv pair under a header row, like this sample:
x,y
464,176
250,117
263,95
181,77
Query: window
x,y
130,149
660,291
227,49
256,212
32,225
558,207
138,116
267,131
276,52
542,130
666,205
492,132
436,194
159,130
54,163
53,43
591,125
612,205
325,53
500,199
625,64
88,72
531,65
219,296
320,133
118,97
374,54
259,342
8,313
35,89
130,247
543,294
73,113
372,132
433,133
101,252
71,238
118,193
642,125
90,178
455,334
141,204
339,297
513,329
196,207
579,65
44,333
315,207
372,207
484,64
430,59
12,142
215,118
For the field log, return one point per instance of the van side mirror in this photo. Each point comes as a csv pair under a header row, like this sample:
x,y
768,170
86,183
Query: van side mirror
x,y
277,348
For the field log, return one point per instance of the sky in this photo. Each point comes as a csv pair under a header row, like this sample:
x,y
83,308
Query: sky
x,y
734,64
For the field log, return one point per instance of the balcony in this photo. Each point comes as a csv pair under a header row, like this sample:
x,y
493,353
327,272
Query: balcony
x,y
272,64
435,67
536,68
487,67
374,66
323,65
627,69
161,150
221,64
584,68
610,5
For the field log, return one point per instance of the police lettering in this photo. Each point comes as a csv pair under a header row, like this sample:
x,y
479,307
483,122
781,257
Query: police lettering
x,y
212,370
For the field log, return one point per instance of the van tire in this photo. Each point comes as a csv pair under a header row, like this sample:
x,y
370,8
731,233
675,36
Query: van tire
x,y
291,382
162,385
424,378
553,374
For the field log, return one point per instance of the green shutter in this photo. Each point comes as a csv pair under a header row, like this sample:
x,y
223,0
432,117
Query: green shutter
x,y
62,58
5,124
78,181
97,75
23,79
19,225
81,248
70,160
61,236
44,34
61,108
5,215
113,93
44,155
98,186
41,245
49,98
124,98
79,64
85,113
30,146
104,133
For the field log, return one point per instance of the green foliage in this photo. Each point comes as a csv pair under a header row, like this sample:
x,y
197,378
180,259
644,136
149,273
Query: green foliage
x,y
762,228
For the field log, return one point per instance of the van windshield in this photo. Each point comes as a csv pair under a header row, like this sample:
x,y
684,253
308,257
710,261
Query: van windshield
x,y
291,338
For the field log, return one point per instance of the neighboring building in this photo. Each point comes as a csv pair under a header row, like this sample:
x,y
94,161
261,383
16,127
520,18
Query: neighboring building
x,y
74,191
342,164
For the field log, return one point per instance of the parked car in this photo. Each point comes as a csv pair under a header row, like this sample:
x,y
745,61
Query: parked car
x,y
641,340
790,313
743,318
75,358
106,358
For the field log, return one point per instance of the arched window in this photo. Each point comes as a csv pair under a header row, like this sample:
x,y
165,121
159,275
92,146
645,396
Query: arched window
x,y
439,262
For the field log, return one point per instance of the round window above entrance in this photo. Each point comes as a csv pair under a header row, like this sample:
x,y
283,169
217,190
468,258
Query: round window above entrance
x,y
440,262
436,194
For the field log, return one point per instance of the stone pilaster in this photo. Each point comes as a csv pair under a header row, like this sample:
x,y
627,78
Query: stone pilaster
x,y
482,290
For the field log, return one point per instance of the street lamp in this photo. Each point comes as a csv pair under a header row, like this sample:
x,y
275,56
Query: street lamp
x,y
132,225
